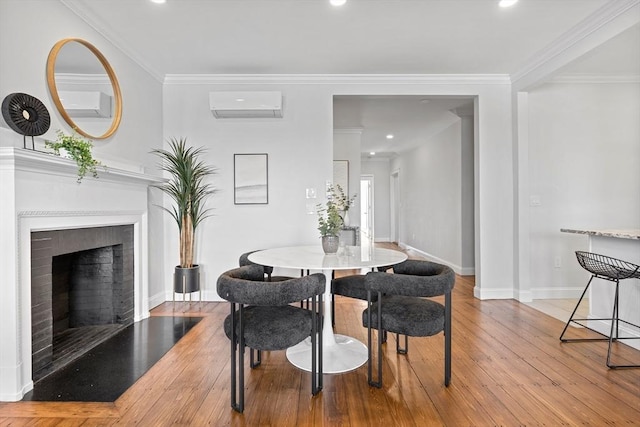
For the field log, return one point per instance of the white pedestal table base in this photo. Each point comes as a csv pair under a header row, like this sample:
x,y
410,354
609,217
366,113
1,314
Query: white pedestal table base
x,y
345,355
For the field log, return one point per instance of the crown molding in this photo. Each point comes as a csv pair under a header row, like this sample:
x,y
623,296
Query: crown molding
x,y
409,79
75,78
101,26
601,17
596,79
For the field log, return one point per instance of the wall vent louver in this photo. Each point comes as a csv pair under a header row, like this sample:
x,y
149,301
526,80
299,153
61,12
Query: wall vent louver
x,y
226,105
86,103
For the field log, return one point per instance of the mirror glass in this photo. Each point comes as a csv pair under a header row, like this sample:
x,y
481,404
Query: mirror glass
x,y
84,88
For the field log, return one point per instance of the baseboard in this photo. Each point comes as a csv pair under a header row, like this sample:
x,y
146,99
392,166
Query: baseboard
x,y
500,293
16,395
550,292
625,331
461,271
522,296
157,299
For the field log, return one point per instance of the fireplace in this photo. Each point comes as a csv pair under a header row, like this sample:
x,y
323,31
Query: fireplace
x,y
40,194
81,292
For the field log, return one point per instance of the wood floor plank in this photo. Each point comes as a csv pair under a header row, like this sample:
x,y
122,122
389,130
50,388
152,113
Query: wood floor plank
x,y
509,368
58,410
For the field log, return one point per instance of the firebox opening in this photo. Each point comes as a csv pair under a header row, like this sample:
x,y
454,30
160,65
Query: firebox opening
x,y
79,298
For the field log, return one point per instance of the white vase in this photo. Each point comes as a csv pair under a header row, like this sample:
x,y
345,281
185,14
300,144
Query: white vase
x,y
345,219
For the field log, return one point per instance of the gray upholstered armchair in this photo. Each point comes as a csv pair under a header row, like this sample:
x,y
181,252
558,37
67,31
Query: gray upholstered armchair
x,y
262,318
350,286
399,301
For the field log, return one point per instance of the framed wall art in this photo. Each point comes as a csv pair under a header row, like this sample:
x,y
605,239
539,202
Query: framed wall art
x,y
250,179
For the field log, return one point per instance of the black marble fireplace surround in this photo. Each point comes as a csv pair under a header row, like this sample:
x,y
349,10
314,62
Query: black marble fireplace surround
x,y
81,291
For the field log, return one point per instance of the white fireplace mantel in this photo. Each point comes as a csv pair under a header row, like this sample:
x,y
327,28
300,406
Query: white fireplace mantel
x,y
40,192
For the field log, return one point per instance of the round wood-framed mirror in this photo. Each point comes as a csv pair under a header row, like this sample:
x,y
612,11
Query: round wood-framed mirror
x,y
78,70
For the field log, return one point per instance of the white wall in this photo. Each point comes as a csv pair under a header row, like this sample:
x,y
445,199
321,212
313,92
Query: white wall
x,y
24,48
300,148
467,225
584,152
346,146
431,195
380,169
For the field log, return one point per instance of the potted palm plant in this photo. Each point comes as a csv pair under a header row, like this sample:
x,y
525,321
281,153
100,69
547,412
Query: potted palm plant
x,y
330,223
188,189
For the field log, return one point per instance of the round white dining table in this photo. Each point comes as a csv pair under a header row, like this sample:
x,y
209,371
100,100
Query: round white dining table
x,y
340,353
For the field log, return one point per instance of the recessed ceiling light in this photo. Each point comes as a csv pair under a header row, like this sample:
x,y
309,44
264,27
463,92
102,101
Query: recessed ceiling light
x,y
390,136
507,3
337,2
158,1
373,153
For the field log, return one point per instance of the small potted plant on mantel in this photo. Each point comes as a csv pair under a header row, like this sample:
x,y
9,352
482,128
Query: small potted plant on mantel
x,y
188,189
77,148
330,222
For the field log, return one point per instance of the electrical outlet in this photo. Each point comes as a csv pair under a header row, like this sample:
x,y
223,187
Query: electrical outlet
x,y
557,262
534,201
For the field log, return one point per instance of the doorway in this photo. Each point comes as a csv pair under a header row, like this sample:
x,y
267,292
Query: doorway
x,y
367,208
394,203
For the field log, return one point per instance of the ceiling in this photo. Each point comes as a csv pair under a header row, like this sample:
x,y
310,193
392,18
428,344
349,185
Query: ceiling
x,y
313,37
410,119
361,37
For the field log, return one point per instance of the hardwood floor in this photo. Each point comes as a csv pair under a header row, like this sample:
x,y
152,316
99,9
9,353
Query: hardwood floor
x,y
508,369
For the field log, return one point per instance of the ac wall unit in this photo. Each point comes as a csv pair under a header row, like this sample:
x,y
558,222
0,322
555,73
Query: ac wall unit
x,y
86,103
246,104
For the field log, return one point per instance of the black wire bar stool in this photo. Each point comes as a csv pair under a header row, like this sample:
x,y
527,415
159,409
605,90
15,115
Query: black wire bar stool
x,y
613,270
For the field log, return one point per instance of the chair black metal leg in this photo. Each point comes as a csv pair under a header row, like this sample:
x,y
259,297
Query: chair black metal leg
x,y
234,346
447,339
369,339
614,332
314,349
255,363
333,309
400,350
320,342
378,383
241,349
316,346
615,326
237,361
574,311
380,333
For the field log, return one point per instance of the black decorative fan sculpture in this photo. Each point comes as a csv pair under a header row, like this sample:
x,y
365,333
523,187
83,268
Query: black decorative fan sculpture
x,y
26,115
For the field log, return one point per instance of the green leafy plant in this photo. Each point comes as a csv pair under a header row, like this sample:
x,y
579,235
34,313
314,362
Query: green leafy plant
x,y
342,201
79,149
329,220
188,189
